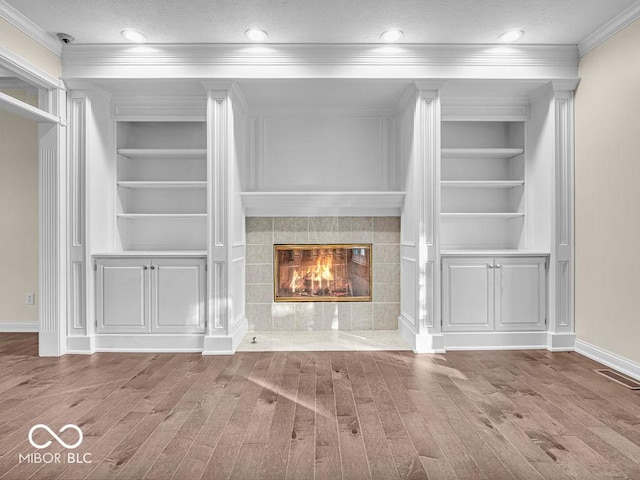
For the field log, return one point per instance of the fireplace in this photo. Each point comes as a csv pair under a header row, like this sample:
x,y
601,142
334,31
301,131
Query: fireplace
x,y
322,273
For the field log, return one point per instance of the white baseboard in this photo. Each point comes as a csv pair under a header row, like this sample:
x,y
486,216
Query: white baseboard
x,y
561,342
419,343
20,327
226,345
610,359
81,344
149,343
495,340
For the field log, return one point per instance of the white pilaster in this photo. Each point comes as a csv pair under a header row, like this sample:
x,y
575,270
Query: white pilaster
x,y
53,232
420,286
224,329
561,327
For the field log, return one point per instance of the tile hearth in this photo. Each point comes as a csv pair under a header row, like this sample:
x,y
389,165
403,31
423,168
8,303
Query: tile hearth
x,y
323,341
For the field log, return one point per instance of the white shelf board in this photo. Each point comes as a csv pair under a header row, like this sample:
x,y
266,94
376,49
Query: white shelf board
x,y
482,184
282,204
480,215
481,153
163,184
164,153
152,253
162,216
24,110
494,253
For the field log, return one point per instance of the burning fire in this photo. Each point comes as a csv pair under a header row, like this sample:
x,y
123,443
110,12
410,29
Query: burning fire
x,y
322,271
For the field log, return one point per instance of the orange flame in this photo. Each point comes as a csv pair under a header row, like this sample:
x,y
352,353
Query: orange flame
x,y
323,271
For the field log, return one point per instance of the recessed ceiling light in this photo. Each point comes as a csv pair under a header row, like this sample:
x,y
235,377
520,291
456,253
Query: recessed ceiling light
x,y
256,35
392,35
133,36
511,36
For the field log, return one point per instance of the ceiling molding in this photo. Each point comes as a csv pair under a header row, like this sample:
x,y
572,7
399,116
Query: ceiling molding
x,y
18,20
225,61
27,71
609,29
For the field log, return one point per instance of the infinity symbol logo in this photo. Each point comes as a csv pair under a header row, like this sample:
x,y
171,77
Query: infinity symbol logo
x,y
56,437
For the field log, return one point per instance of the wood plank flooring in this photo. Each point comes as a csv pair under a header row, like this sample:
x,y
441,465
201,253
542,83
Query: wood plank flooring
x,y
327,415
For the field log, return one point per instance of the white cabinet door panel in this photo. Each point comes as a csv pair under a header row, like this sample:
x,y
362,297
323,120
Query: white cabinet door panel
x,y
178,295
467,295
520,302
122,296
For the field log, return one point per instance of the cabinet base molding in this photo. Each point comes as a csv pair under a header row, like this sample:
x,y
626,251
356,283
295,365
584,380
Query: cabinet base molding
x,y
226,345
19,327
81,344
561,342
495,340
610,359
420,343
144,343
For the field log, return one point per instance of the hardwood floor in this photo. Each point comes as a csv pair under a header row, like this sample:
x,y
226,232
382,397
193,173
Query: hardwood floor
x,y
327,415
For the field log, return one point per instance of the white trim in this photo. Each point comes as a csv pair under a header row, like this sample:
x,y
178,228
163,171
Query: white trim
x,y
24,24
561,342
226,344
18,107
420,343
610,359
81,344
146,343
495,340
609,29
20,327
411,61
311,204
27,71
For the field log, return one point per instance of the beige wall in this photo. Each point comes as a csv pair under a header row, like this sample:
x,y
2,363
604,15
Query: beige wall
x,y
18,218
607,113
19,189
20,44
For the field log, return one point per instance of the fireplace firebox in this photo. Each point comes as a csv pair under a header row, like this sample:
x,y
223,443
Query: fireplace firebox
x,y
322,273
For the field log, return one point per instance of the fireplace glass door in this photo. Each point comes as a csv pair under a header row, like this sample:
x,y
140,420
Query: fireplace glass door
x,y
322,273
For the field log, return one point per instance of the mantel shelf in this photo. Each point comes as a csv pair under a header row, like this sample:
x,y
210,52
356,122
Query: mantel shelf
x,y
496,215
281,204
482,184
162,216
163,153
481,153
162,184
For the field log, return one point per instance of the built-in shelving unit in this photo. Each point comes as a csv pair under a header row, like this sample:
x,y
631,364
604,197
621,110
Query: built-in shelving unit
x,y
162,185
482,185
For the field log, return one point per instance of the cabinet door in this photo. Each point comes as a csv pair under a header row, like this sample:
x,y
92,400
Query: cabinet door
x,y
467,294
520,300
178,291
122,296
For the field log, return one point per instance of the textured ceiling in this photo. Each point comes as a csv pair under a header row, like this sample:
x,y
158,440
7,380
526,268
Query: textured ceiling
x,y
323,21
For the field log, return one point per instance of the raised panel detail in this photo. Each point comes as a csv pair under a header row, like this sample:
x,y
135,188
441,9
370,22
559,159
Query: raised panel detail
x,y
178,296
408,293
467,295
122,296
323,153
520,299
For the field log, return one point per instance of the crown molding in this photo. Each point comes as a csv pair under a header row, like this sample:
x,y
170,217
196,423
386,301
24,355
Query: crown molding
x,y
411,61
609,29
27,71
18,20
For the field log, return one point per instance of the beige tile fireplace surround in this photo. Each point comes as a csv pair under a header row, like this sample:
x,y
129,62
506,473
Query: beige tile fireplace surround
x,y
263,314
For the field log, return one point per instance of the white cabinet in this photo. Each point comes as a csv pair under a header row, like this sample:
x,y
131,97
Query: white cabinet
x,y
150,295
493,294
